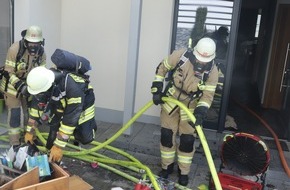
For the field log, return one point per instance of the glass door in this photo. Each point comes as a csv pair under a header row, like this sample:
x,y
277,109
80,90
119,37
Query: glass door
x,y
194,19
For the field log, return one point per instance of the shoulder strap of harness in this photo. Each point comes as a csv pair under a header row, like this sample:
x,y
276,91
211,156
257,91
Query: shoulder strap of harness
x,y
182,60
84,76
208,70
40,53
21,51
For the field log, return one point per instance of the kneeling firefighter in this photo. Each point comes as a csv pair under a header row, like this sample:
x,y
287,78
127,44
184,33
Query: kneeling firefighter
x,y
193,78
66,101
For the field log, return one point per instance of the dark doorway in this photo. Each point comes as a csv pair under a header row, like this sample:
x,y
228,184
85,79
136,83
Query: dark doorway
x,y
252,77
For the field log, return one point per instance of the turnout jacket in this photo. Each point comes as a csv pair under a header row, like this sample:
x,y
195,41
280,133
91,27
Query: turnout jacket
x,y
186,81
18,70
71,104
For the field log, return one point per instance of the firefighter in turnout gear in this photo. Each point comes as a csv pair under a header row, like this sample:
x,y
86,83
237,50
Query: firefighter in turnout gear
x,y
65,101
22,56
193,77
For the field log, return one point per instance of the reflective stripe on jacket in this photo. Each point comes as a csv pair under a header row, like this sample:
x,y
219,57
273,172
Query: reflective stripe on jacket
x,y
72,104
18,71
185,81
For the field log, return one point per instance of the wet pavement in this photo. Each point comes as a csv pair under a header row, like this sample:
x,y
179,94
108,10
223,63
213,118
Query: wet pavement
x,y
143,145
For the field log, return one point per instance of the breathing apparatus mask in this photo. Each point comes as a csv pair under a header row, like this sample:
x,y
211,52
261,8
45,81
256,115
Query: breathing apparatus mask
x,y
44,104
42,99
32,47
198,66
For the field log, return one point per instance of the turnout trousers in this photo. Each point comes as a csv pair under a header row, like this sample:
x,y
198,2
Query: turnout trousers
x,y
17,117
174,122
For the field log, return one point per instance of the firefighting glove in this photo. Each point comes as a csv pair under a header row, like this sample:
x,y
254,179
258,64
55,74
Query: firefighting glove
x,y
156,90
55,154
200,114
21,87
29,137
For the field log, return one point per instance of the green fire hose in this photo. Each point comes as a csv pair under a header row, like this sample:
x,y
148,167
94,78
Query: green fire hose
x,y
90,155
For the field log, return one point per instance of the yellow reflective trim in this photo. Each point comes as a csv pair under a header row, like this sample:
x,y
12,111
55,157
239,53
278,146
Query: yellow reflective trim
x,y
184,116
74,100
167,154
200,103
59,110
66,129
159,78
13,79
34,112
166,64
210,88
171,90
88,114
10,63
10,89
201,85
184,159
153,90
60,143
63,103
21,66
169,106
77,78
28,128
13,131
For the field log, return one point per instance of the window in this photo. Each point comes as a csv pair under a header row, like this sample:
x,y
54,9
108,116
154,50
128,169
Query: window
x,y
190,12
195,19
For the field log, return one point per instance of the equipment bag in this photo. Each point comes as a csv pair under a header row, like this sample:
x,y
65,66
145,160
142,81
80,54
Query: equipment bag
x,y
70,61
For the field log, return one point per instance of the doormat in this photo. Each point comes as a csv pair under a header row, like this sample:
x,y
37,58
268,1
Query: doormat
x,y
272,145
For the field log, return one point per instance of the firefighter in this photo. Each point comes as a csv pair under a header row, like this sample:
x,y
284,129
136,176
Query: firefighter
x,y
192,81
66,102
220,36
22,56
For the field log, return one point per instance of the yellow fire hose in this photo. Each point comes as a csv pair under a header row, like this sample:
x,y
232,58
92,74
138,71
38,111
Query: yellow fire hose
x,y
90,155
203,142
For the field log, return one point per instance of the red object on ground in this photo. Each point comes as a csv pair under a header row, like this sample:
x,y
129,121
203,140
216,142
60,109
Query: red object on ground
x,y
94,164
140,186
229,182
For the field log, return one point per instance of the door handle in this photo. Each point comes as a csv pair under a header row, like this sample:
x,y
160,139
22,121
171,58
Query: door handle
x,y
285,71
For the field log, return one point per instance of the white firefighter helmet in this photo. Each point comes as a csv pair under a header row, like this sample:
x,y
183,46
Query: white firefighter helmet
x,y
33,34
39,79
204,50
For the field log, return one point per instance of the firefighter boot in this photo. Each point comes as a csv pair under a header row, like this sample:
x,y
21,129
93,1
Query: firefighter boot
x,y
182,179
165,172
